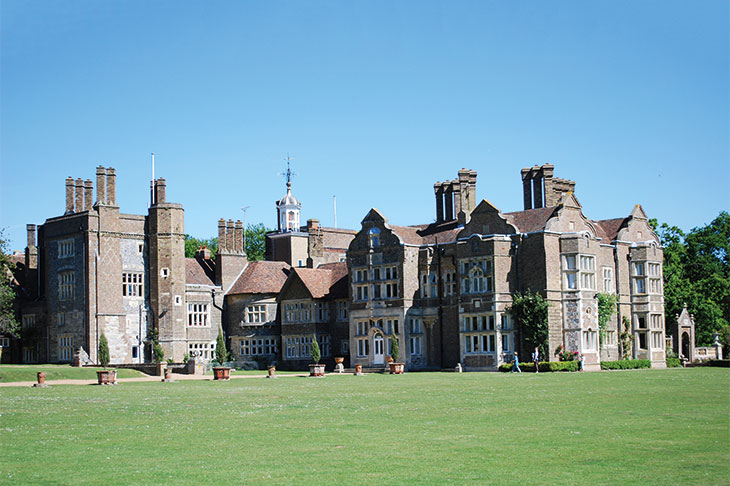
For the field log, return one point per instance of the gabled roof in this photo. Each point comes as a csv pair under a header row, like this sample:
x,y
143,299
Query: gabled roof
x,y
199,271
427,234
261,277
327,280
610,228
531,220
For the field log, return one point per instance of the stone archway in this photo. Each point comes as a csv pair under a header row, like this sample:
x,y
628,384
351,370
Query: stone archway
x,y
686,349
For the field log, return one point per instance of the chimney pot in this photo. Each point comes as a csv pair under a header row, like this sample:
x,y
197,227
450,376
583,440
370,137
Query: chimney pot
x,y
69,195
100,185
111,186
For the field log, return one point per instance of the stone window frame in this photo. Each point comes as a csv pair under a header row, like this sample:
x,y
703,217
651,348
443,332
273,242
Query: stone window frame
x,y
66,285
198,314
259,346
479,331
132,284
255,314
429,285
65,347
638,277
298,347
587,272
449,279
28,321
415,347
608,286
590,340
654,272
476,275
203,349
4,342
297,311
343,311
66,248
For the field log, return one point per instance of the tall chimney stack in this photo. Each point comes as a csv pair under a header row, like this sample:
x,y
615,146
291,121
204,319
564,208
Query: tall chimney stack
x,y
221,235
230,237
160,189
88,194
238,246
100,185
111,186
30,228
79,195
69,195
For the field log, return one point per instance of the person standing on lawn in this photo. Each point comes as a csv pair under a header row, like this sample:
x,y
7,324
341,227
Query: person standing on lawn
x,y
516,365
582,359
536,359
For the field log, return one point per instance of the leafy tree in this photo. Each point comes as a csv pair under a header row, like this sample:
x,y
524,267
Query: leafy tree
x,y
103,351
9,325
314,350
394,351
256,241
696,272
221,353
530,311
606,308
192,244
158,354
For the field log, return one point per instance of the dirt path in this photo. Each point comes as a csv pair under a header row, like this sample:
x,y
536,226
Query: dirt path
x,y
175,377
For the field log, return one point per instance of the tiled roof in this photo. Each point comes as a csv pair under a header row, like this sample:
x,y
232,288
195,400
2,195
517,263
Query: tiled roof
x,y
199,272
425,234
531,220
325,280
262,277
610,228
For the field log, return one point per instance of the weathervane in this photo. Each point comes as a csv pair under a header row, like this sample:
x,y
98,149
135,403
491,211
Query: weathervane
x,y
288,174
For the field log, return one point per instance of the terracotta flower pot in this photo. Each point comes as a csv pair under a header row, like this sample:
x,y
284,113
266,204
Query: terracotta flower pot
x,y
358,369
221,373
107,377
316,369
41,378
339,360
396,368
272,372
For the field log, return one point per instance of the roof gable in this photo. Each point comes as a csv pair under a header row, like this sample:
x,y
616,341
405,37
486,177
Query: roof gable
x,y
486,219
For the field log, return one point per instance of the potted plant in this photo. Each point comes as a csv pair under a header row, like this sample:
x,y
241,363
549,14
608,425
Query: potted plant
x,y
271,371
396,368
105,376
316,369
221,372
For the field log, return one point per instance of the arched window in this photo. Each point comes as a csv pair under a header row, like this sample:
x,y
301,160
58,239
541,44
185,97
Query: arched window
x,y
374,237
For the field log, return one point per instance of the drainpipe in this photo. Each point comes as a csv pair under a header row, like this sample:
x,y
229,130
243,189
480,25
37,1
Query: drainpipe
x,y
439,294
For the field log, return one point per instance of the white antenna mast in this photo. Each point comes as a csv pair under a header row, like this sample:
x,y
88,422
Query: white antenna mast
x,y
334,202
243,210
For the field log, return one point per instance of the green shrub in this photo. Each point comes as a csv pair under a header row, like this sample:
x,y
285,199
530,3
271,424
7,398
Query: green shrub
x,y
721,363
546,366
394,351
157,352
221,353
674,363
626,364
314,350
103,351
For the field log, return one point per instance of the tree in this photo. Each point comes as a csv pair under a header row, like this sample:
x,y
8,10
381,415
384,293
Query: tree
x,y
9,325
697,273
530,311
314,350
221,353
394,351
158,354
256,241
625,338
606,308
103,351
192,244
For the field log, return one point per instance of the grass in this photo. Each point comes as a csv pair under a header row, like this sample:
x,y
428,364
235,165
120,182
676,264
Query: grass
x,y
11,373
627,427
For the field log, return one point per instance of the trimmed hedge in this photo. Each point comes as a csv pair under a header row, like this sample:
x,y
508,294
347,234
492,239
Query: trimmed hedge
x,y
546,366
626,364
722,363
674,363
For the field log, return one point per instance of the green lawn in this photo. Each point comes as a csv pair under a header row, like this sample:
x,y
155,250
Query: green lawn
x,y
623,427
10,373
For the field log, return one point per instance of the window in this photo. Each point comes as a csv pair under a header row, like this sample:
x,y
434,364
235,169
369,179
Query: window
x,y
506,342
374,237
641,340
360,275
391,273
415,345
165,272
197,315
344,348
608,280
324,344
587,272
298,311
479,333
610,338
391,325
428,285
361,292
589,340
656,339
178,300
449,283
506,321
29,321
298,347
322,311
363,347
416,326
342,312
202,350
656,321
132,284
259,346
639,277
65,348
569,270
61,318
4,342
256,313
29,354
140,247
65,248
476,275
655,281
66,281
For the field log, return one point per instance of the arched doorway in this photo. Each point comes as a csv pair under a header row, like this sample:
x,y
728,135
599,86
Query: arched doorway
x,y
685,346
378,349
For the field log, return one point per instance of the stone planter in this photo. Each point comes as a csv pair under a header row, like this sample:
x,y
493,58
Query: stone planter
x,y
396,368
107,377
339,360
358,370
316,370
221,373
167,376
41,377
272,372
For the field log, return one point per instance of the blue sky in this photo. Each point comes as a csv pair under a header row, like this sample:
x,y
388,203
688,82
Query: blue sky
x,y
374,100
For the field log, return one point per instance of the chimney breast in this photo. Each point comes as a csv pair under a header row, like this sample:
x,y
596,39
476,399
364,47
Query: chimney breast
x,y
111,186
238,246
100,185
221,235
79,195
69,195
88,194
160,189
30,228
